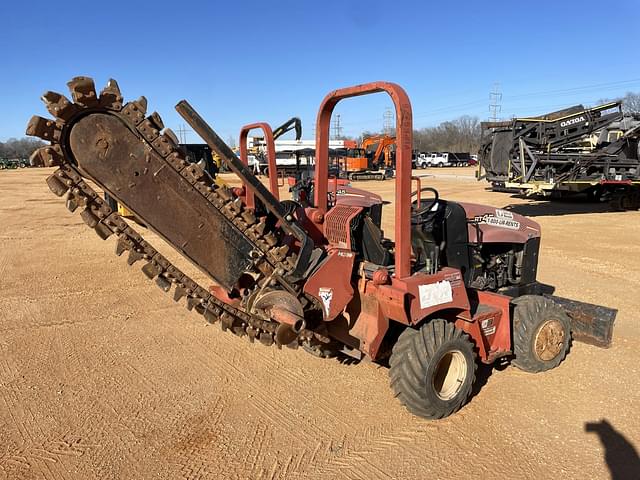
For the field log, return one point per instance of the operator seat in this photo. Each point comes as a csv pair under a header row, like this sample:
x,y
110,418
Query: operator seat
x,y
457,251
440,237
374,246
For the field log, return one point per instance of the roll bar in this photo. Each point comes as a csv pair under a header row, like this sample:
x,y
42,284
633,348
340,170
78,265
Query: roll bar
x,y
404,142
271,158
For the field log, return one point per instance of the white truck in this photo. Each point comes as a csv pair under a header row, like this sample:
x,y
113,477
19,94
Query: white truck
x,y
425,160
443,159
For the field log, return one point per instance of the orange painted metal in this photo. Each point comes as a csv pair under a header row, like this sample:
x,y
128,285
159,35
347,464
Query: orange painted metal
x,y
419,187
371,323
331,283
496,330
404,136
271,158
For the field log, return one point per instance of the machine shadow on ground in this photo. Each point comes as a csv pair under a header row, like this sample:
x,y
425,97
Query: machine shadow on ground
x,y
620,454
545,208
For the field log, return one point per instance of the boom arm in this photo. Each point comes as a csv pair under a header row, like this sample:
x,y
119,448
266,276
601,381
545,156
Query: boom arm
x,y
384,142
287,126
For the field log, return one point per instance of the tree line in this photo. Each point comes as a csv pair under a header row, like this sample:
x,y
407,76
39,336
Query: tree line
x,y
459,135
21,148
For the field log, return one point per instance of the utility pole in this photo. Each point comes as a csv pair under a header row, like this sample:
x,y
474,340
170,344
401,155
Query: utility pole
x,y
182,133
495,97
337,129
387,121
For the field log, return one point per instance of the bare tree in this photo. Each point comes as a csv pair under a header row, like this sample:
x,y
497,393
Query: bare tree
x,y
231,141
459,135
631,102
19,148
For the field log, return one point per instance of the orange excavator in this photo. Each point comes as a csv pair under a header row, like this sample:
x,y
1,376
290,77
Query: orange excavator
x,y
359,165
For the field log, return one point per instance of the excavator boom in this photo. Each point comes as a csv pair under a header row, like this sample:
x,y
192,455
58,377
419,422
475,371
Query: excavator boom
x,y
287,126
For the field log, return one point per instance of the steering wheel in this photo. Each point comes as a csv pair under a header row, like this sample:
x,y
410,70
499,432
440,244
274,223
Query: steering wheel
x,y
425,205
424,214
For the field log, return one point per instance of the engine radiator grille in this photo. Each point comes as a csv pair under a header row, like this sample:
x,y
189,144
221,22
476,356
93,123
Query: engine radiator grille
x,y
337,225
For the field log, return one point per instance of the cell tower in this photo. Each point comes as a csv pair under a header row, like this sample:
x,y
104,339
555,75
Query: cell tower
x,y
387,121
495,97
337,129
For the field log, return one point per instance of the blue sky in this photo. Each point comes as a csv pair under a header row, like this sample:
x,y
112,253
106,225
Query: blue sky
x,y
239,62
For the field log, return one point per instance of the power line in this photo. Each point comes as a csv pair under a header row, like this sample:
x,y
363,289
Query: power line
x,y
597,86
182,133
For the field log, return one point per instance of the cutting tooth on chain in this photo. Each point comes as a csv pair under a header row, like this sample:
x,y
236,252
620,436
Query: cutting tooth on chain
x,y
156,120
260,228
142,104
110,96
149,129
89,218
103,231
249,217
252,333
123,245
37,158
163,283
271,239
72,201
151,270
279,253
49,156
172,136
226,321
83,91
134,256
179,292
56,184
59,106
136,110
192,302
43,128
210,317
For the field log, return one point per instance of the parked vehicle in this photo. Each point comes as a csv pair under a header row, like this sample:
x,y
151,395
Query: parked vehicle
x,y
444,159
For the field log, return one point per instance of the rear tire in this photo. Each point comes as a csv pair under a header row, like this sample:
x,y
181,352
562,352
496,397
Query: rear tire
x,y
433,369
541,333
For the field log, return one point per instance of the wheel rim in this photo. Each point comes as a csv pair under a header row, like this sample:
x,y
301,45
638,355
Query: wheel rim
x,y
549,340
449,374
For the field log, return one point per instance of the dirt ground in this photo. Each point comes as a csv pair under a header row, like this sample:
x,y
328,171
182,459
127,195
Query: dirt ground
x,y
102,376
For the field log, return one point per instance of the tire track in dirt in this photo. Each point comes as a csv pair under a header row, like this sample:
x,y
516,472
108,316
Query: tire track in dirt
x,y
4,260
288,375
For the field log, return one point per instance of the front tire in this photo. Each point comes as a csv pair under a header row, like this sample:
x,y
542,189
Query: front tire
x,y
433,369
541,333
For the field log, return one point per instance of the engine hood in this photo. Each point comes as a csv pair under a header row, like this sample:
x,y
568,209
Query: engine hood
x,y
496,225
